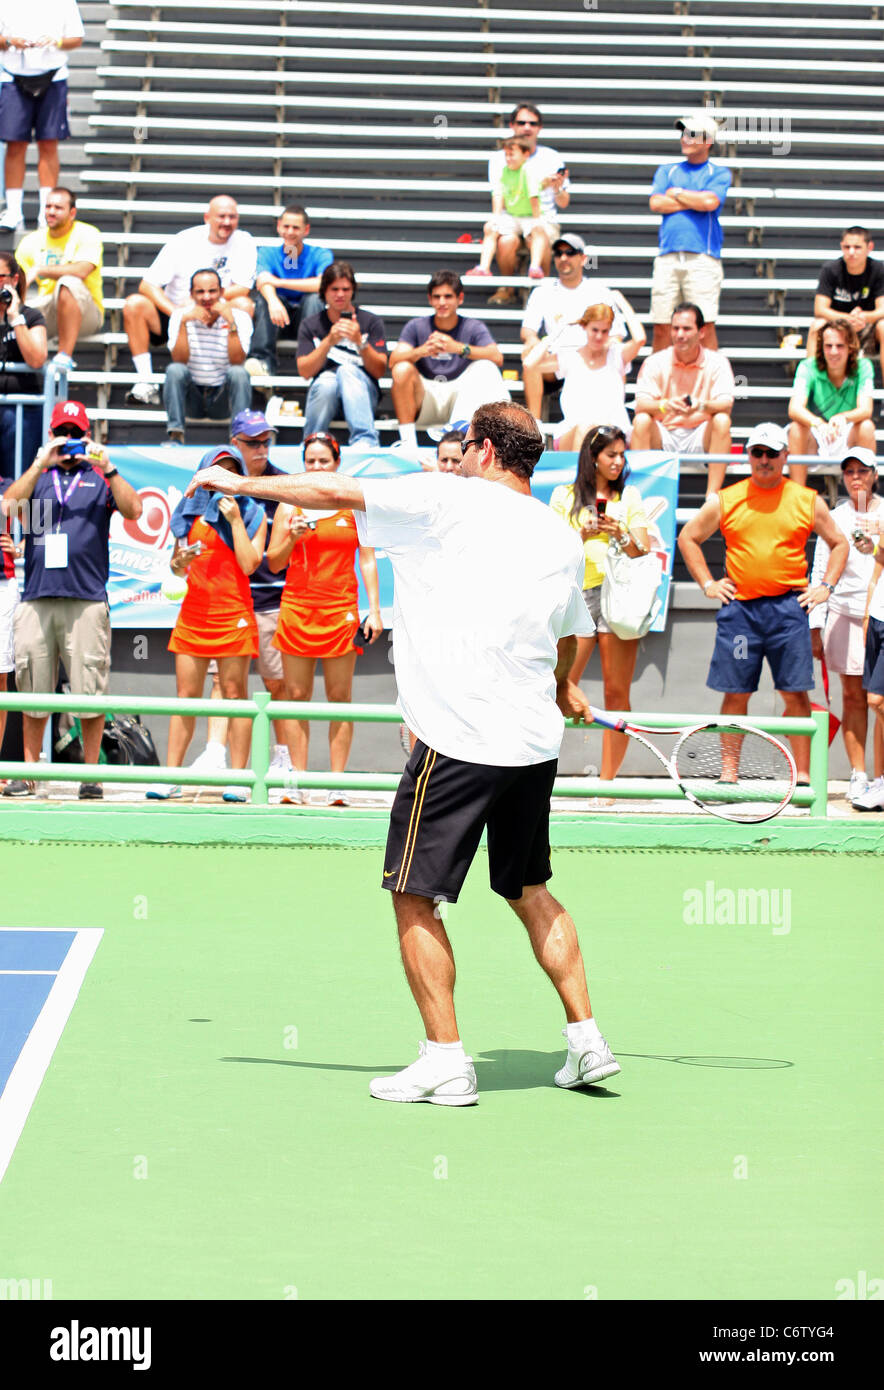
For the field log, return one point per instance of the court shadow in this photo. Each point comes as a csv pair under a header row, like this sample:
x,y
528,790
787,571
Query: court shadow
x,y
728,1063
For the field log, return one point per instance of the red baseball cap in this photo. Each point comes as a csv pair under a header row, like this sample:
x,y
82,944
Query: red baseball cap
x,y
69,413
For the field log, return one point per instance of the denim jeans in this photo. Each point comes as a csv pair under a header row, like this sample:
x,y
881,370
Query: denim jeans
x,y
349,390
265,332
183,398
31,437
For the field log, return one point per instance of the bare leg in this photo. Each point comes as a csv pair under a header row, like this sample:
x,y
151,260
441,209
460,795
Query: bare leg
x,y
69,319
553,938
190,677
299,672
47,163
338,676
717,440
618,666
797,706
429,964
854,720
233,677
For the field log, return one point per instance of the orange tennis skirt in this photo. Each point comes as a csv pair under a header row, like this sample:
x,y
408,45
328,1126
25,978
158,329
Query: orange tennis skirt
x,y
217,617
306,629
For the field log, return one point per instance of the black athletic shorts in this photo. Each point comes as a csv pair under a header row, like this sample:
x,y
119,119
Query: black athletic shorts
x,y
439,812
160,339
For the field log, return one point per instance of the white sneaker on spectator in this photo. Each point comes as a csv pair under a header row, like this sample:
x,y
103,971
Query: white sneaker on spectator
x,y
587,1063
338,798
280,762
63,359
859,784
873,799
438,1076
9,224
144,393
235,794
255,367
162,791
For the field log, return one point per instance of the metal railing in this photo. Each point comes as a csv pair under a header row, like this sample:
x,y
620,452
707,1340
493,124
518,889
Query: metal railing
x,y
55,388
262,712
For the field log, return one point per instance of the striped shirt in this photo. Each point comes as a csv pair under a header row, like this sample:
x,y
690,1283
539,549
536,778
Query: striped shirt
x,y
208,361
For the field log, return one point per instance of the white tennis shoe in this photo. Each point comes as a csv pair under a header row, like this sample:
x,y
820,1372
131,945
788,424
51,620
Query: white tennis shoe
x,y
587,1064
280,762
442,1078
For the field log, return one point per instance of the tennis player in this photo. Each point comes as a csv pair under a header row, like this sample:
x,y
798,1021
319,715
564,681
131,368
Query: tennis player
x,y
486,700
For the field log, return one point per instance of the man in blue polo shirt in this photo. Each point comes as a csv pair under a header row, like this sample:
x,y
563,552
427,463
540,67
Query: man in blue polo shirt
x,y
72,489
690,196
286,289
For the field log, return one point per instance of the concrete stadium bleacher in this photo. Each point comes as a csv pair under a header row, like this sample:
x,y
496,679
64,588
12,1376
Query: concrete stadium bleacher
x,y
310,102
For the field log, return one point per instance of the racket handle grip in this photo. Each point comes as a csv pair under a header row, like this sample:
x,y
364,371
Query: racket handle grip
x,y
599,716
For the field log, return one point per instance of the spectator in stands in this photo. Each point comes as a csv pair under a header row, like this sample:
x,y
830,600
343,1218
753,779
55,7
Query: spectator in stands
x,y
684,396
766,521
9,551
319,614
286,289
526,123
444,366
62,261
601,506
690,196
836,626
552,314
449,453
64,610
34,43
217,546
594,377
209,342
342,350
873,671
216,244
22,342
852,287
252,436
515,211
831,403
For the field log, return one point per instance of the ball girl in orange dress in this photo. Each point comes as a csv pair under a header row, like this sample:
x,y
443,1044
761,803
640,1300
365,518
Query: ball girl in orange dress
x,y
319,614
219,543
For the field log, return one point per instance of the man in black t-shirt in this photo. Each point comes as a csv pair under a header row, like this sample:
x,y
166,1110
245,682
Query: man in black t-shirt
x,y
344,350
22,341
852,287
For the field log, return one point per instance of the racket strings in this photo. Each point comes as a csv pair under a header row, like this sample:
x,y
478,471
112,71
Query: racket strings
x,y
723,766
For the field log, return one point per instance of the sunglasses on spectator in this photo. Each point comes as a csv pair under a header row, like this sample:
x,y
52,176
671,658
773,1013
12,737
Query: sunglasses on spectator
x,y
689,134
68,432
565,251
759,453
526,123
254,443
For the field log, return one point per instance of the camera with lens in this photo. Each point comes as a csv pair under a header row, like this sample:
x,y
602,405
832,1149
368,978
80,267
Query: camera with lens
x,y
5,295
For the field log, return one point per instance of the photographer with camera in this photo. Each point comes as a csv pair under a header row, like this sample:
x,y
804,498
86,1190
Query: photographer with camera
x,y
72,490
22,343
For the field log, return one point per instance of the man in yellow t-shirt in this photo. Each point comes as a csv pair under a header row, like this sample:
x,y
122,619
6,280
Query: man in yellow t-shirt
x,y
766,521
62,265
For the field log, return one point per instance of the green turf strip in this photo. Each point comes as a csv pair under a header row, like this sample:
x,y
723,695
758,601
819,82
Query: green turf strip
x,y
182,1147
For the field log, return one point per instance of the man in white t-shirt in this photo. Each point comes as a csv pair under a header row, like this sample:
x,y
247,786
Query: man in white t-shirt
x,y
526,122
550,325
215,245
486,699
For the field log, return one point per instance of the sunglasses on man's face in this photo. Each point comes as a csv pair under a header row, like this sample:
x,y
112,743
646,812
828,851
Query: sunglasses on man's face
x,y
763,454
526,123
565,251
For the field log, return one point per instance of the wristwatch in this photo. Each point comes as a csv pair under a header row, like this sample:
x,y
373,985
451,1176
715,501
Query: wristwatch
x,y
111,473
708,585
826,585
466,350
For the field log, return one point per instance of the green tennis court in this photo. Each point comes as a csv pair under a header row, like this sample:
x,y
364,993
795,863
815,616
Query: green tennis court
x,y
204,1129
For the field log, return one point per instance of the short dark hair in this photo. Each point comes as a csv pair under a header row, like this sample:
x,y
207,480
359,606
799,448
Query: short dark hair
x,y
515,438
858,231
338,270
524,106
450,437
445,277
519,143
69,193
294,210
686,308
206,270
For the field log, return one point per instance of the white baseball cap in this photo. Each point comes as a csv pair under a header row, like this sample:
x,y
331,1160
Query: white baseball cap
x,y
699,120
864,456
768,436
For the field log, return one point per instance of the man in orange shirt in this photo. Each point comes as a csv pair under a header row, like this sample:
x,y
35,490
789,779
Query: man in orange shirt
x,y
684,396
765,520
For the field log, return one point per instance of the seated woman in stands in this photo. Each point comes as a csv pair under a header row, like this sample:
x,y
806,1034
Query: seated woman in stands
x,y
22,343
594,377
219,542
831,403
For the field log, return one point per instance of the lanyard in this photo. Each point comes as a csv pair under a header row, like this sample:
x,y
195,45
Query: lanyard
x,y
72,487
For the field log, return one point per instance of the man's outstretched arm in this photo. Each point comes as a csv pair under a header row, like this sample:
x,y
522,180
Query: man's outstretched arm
x,y
322,490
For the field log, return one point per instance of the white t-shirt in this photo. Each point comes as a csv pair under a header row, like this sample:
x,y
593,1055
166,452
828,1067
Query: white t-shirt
x,y
60,19
545,162
853,586
191,250
555,309
486,581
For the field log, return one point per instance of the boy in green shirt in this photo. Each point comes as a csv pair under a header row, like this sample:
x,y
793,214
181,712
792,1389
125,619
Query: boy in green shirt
x,y
515,210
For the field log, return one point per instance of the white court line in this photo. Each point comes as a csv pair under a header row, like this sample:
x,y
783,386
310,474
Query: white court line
x,y
27,1075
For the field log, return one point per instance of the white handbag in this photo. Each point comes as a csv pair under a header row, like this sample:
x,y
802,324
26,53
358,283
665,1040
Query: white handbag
x,y
630,601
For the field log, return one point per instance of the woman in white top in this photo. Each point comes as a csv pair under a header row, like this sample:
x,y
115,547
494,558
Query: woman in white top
x,y
837,626
594,377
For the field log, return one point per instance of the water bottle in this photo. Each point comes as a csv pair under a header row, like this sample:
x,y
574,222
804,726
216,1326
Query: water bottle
x,y
42,787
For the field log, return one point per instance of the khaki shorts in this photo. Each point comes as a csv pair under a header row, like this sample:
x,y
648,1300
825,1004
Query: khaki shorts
x,y
507,225
75,630
93,317
685,277
683,441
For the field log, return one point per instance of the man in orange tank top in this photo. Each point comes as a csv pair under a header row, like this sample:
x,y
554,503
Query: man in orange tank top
x,y
766,521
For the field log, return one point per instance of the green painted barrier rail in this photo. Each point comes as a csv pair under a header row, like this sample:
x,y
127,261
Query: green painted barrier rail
x,y
260,781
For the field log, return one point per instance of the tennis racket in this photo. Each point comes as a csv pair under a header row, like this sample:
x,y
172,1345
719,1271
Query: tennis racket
x,y
730,770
